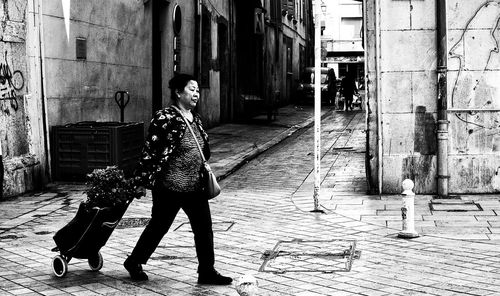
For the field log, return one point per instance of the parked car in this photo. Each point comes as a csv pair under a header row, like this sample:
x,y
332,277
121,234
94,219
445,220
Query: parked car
x,y
305,89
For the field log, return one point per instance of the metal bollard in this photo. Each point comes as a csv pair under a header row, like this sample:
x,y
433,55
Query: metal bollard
x,y
408,211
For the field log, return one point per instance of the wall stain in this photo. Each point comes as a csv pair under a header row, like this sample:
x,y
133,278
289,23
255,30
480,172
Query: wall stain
x,y
425,136
421,170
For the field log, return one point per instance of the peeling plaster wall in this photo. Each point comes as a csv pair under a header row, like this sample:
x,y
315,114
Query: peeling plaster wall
x,y
118,36
372,155
407,91
474,94
21,131
408,94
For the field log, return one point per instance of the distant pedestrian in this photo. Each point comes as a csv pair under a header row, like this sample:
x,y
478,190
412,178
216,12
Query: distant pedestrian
x,y
348,87
332,86
170,165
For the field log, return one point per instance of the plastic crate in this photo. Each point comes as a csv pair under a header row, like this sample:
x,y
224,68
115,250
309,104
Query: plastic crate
x,y
79,148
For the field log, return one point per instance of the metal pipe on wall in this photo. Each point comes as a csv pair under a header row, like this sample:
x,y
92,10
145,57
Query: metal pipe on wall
x,y
442,100
378,95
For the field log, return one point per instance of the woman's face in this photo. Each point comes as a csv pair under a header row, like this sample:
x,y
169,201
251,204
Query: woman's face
x,y
189,96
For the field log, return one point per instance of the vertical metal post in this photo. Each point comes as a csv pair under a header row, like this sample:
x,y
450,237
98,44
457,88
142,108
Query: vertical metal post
x,y
378,94
317,105
442,99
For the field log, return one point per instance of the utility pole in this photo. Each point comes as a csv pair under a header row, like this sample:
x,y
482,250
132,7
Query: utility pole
x,y
317,104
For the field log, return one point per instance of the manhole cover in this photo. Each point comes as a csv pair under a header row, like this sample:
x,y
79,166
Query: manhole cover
x,y
298,255
133,222
216,226
465,206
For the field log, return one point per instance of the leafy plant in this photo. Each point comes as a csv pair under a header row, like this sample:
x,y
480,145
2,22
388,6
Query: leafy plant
x,y
110,188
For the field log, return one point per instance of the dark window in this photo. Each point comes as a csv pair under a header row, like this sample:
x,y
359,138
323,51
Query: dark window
x,y
206,47
288,42
302,58
81,48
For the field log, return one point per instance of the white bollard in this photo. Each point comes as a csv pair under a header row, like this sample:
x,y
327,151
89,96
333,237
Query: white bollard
x,y
408,211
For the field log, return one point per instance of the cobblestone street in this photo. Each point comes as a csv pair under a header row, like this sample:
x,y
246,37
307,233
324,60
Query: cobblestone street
x,y
263,226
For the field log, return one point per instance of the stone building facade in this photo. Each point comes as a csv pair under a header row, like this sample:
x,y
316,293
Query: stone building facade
x,y
433,95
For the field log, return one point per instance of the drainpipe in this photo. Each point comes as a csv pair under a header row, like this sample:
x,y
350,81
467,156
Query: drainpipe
x,y
378,95
442,103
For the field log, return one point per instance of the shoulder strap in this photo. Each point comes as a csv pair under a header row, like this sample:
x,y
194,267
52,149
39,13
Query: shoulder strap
x,y
192,132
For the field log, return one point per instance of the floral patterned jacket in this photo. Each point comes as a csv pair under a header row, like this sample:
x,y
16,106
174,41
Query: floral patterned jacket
x,y
164,135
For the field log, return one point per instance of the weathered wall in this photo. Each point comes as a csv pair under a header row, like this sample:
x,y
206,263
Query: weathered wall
x,y
370,46
408,94
118,35
407,90
21,131
474,94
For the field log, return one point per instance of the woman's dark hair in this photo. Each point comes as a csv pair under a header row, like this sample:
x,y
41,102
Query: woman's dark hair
x,y
179,82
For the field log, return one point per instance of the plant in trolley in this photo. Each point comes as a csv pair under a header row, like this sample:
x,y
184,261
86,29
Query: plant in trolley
x,y
109,194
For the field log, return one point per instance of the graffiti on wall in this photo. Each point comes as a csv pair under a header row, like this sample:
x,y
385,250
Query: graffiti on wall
x,y
11,82
476,85
476,91
482,132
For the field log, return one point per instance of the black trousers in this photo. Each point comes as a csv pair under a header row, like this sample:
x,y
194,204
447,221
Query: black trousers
x,y
166,205
348,101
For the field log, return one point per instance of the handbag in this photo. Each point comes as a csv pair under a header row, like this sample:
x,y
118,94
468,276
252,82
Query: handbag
x,y
211,186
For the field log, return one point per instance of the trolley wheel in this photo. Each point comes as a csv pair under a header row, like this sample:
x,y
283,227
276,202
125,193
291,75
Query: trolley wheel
x,y
59,266
96,262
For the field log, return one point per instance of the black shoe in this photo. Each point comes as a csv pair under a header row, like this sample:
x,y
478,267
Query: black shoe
x,y
135,270
213,278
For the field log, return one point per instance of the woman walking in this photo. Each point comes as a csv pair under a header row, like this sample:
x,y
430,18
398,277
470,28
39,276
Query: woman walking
x,y
170,166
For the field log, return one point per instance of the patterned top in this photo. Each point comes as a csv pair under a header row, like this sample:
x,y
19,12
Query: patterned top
x,y
182,172
166,130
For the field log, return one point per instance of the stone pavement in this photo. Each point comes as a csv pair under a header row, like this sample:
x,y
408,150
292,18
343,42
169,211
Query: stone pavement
x,y
262,226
